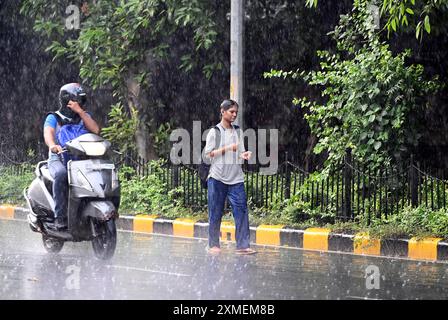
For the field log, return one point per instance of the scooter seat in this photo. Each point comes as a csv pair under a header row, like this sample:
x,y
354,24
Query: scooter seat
x,y
43,174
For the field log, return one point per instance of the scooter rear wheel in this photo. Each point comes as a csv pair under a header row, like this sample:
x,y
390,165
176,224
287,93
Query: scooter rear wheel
x,y
52,245
104,244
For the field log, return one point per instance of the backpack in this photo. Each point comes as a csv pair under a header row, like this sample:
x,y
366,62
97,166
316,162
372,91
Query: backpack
x,y
67,132
204,166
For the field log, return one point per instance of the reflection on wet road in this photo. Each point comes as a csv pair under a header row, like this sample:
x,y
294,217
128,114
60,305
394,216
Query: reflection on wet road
x,y
162,267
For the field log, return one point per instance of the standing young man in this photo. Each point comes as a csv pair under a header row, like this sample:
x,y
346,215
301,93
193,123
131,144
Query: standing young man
x,y
226,179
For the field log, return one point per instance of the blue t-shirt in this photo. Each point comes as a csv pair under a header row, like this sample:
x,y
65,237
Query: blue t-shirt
x,y
74,130
51,121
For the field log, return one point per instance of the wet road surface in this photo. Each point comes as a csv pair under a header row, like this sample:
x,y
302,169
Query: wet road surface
x,y
169,268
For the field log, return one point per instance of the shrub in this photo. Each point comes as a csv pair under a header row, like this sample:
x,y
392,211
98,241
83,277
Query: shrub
x,y
413,222
370,98
13,180
146,194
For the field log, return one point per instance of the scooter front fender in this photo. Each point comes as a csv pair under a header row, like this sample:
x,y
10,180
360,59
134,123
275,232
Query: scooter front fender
x,y
101,210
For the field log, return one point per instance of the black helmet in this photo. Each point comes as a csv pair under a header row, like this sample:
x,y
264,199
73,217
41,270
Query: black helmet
x,y
74,92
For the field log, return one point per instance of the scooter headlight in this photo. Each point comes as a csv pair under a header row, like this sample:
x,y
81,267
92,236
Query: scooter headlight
x,y
93,148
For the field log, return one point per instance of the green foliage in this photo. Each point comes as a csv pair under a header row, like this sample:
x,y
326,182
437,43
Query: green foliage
x,y
401,12
162,144
147,194
133,49
297,209
13,180
122,127
311,3
119,40
370,97
412,222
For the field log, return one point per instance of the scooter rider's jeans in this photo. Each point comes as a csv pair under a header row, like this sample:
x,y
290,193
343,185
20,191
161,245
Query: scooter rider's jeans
x,y
217,194
60,187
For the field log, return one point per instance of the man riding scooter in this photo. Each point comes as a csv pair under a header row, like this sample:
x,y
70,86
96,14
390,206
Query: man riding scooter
x,y
69,122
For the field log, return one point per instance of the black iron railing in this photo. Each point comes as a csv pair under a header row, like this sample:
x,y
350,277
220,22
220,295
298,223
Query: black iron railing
x,y
344,190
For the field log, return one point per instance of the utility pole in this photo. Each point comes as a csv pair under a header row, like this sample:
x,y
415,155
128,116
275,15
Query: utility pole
x,y
236,56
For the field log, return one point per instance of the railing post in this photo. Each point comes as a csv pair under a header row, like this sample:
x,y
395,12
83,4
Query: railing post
x,y
413,183
288,178
175,175
347,210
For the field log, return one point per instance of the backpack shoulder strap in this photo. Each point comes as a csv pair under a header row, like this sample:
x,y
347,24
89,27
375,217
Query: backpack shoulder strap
x,y
217,136
58,118
237,129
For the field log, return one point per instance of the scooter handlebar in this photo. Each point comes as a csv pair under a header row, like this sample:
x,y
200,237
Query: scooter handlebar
x,y
64,150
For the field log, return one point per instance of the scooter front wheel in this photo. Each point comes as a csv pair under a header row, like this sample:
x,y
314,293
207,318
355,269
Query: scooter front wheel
x,y
52,245
104,244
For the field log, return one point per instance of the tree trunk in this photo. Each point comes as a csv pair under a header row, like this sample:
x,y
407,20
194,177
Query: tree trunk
x,y
144,143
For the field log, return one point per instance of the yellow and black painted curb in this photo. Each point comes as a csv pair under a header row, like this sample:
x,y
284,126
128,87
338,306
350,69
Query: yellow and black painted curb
x,y
320,239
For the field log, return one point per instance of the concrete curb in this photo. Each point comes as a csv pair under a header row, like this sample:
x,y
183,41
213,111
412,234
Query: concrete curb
x,y
428,249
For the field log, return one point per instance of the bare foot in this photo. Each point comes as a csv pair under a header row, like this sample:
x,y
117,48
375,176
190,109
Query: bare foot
x,y
214,250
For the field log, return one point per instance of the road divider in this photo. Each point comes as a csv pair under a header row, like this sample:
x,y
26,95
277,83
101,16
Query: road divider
x,y
316,239
423,249
268,234
7,212
144,223
364,244
183,227
227,231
